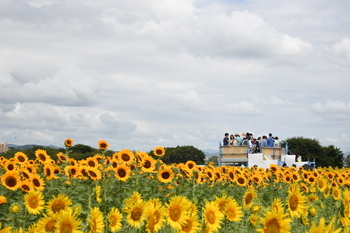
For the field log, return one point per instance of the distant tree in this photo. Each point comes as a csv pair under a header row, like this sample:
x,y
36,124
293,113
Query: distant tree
x,y
310,149
214,159
333,156
347,161
182,154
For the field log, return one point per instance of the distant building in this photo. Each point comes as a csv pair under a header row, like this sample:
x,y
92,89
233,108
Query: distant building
x,y
4,147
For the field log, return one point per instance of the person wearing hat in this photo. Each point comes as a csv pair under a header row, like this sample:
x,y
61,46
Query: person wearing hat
x,y
226,140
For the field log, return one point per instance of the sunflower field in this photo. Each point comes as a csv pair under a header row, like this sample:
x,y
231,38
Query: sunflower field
x,y
131,191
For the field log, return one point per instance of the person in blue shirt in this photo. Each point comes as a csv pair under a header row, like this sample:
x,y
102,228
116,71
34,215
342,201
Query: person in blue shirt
x,y
226,140
270,141
263,141
239,139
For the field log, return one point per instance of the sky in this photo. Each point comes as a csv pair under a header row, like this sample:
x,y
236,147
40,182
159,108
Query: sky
x,y
141,74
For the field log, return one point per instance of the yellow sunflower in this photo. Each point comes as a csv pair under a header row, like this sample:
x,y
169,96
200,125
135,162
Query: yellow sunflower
x,y
321,228
49,171
134,199
122,172
15,208
191,224
46,224
277,206
154,215
125,156
177,211
62,157
21,158
212,216
337,193
274,167
72,171
166,175
3,199
135,214
103,145
115,220
67,221
296,202
346,202
241,180
96,221
10,165
233,211
98,193
222,201
58,203
26,186
37,181
5,229
148,164
190,164
42,156
248,198
93,173
275,222
68,142
11,180
159,151
34,202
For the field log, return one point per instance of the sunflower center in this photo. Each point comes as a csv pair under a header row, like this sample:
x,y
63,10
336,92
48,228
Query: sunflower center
x,y
187,227
248,198
136,214
103,146
50,226
113,221
21,159
241,180
42,157
272,226
11,181
91,163
33,202
293,202
66,227
159,152
48,172
58,206
211,217
175,213
230,213
125,157
10,167
165,175
92,174
147,164
121,173
231,175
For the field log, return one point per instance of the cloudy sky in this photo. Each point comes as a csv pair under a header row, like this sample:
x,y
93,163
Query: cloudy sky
x,y
141,74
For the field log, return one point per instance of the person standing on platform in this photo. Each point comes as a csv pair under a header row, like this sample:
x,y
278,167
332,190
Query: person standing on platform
x,y
270,141
226,140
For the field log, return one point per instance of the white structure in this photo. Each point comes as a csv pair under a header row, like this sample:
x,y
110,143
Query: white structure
x,y
238,155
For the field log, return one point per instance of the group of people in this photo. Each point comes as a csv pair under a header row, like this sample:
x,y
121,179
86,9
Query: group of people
x,y
254,145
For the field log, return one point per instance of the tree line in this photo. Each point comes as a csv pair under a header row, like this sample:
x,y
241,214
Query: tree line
x,y
309,149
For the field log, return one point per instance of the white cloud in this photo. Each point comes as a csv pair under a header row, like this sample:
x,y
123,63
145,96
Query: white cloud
x,y
144,73
342,51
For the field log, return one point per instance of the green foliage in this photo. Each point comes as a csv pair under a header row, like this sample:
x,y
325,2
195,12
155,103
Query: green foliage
x,y
347,161
214,159
182,154
310,149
